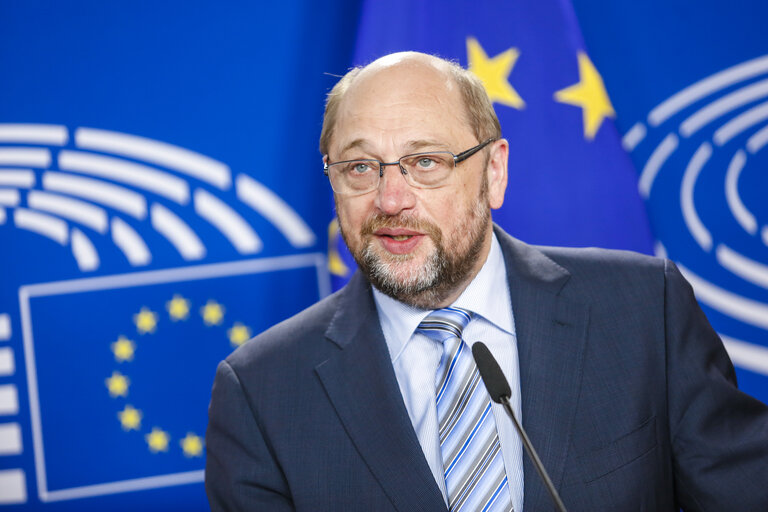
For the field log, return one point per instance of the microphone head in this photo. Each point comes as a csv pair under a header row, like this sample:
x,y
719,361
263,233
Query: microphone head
x,y
492,376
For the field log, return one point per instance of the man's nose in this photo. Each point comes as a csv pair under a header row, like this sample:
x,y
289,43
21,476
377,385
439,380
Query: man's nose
x,y
394,193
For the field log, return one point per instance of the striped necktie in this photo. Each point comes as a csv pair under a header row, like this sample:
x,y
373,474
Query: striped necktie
x,y
474,472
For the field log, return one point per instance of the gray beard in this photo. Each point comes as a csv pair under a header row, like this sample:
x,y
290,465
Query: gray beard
x,y
443,272
418,288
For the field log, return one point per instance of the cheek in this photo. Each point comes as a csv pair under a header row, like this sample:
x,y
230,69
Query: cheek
x,y
455,200
351,212
444,209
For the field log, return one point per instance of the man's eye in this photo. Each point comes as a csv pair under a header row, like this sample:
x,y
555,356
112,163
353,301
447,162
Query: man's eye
x,y
360,167
426,163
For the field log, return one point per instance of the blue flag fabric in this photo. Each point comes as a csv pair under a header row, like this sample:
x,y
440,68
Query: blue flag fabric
x,y
570,182
151,221
692,107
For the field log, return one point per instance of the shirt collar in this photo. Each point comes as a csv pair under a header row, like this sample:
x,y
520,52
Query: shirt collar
x,y
487,295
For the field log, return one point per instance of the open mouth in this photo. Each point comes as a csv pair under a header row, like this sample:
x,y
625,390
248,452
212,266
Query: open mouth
x,y
398,240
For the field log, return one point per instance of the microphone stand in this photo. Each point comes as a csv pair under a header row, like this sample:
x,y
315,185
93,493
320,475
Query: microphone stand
x,y
499,391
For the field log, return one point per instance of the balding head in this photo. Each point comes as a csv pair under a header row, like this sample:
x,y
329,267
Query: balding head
x,y
419,244
407,70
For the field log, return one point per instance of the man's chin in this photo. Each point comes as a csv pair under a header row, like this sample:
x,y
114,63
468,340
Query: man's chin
x,y
401,270
403,277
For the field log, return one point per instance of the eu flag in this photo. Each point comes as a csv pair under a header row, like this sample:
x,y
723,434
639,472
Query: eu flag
x,y
570,182
119,366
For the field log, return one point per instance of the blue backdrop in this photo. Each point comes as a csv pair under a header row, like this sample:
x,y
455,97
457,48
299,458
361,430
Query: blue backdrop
x,y
689,85
162,198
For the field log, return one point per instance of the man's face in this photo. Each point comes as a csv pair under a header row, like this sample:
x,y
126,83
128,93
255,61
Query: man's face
x,y
420,246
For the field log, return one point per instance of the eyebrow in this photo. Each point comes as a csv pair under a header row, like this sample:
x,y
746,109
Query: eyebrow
x,y
357,143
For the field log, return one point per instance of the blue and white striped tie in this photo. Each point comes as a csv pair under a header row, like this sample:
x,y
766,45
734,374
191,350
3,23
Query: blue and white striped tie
x,y
474,473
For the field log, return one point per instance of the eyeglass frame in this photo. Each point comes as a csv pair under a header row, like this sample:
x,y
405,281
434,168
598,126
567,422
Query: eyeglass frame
x,y
457,159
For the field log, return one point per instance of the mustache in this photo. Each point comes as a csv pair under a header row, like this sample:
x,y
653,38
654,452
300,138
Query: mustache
x,y
378,221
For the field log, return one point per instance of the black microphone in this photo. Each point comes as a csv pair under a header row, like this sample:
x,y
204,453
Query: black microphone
x,y
498,388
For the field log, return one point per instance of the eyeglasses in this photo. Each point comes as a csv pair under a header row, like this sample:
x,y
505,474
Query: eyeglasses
x,y
421,170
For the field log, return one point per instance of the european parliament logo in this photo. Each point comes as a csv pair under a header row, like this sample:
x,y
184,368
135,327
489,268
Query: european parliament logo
x,y
704,153
106,366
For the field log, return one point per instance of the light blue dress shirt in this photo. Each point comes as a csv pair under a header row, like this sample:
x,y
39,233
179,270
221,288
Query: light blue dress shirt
x,y
415,358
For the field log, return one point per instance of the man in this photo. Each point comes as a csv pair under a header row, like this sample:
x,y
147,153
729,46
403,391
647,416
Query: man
x,y
358,403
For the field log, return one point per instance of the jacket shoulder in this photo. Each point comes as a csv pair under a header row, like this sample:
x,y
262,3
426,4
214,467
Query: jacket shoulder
x,y
611,274
594,259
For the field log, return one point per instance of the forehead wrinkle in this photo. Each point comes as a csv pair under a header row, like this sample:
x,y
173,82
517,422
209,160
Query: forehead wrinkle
x,y
416,145
404,108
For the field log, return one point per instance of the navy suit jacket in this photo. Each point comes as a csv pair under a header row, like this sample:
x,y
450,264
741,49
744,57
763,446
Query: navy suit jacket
x,y
627,394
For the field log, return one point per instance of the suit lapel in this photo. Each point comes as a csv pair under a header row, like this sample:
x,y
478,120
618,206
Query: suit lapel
x,y
551,334
361,385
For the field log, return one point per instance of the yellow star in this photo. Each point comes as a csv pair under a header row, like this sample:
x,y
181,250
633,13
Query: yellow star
x,y
239,334
213,313
495,73
145,320
117,384
336,265
130,418
178,308
157,440
590,95
123,349
192,445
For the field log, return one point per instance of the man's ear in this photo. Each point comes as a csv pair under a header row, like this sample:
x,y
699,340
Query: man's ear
x,y
497,173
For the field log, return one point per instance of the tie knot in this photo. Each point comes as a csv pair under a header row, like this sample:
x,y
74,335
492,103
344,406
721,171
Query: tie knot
x,y
445,323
